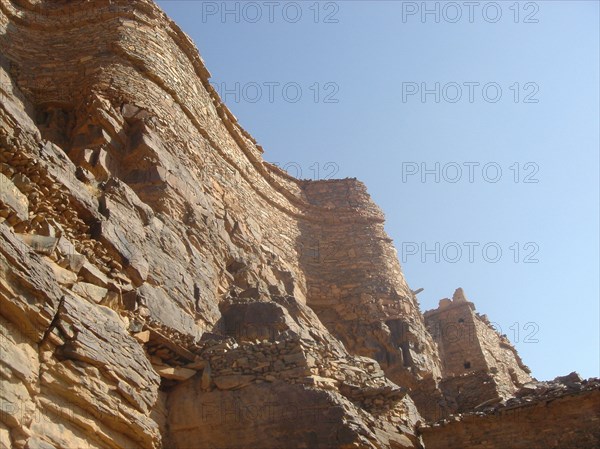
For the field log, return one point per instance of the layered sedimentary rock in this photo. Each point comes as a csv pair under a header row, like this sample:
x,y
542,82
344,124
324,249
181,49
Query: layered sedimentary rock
x,y
163,286
148,203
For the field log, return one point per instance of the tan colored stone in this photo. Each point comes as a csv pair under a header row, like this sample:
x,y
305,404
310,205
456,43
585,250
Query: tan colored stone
x,y
40,243
232,382
62,275
91,292
142,337
175,373
93,275
12,197
215,260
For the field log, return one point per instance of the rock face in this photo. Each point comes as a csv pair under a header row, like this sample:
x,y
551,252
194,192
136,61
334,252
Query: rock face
x,y
163,286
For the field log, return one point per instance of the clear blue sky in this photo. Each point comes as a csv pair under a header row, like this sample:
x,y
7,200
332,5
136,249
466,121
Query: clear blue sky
x,y
372,57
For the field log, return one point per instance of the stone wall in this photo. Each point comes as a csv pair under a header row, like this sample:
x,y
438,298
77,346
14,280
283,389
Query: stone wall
x,y
356,287
563,414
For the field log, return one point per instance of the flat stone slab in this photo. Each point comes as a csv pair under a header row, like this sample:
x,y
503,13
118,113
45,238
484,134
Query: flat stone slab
x,y
12,197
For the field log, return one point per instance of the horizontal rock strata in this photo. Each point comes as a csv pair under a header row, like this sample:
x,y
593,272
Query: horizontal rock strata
x,y
164,287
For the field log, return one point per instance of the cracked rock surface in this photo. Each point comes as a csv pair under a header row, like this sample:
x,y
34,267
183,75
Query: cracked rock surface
x,y
162,286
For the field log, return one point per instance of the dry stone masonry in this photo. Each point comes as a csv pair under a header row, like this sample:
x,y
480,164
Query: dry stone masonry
x,y
164,287
478,364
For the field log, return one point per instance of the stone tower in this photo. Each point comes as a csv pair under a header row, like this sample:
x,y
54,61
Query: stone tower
x,y
478,364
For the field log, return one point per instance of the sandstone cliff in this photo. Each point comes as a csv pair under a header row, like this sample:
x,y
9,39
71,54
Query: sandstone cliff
x,y
163,286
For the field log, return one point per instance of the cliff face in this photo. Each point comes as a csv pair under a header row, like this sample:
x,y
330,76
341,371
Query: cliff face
x,y
163,286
